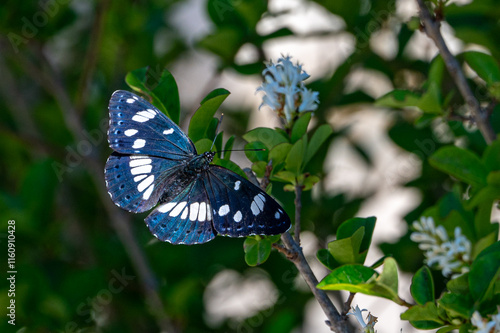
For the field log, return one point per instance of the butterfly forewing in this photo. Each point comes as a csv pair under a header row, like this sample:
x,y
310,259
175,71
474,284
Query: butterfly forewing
x,y
240,208
136,182
186,219
137,127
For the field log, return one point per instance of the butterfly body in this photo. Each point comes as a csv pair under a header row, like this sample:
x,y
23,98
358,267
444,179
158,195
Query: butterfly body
x,y
155,163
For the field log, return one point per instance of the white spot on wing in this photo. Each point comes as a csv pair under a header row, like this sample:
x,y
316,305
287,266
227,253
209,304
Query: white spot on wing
x,y
277,215
237,217
150,114
193,210
209,213
130,100
139,119
145,183
139,178
223,210
258,200
139,162
141,169
202,215
184,213
166,207
254,208
148,192
139,143
237,185
130,132
178,209
169,131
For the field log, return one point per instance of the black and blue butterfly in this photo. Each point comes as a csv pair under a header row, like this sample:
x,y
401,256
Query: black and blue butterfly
x,y
154,162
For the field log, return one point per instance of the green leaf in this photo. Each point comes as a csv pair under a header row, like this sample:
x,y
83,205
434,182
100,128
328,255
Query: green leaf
x,y
422,286
484,273
459,285
398,99
267,136
457,305
224,42
436,71
447,329
279,153
167,92
346,250
361,279
461,164
231,166
256,151
319,137
228,146
389,278
161,87
484,65
325,257
295,158
203,145
349,227
423,316
309,182
257,250
200,121
259,168
352,278
430,102
285,176
491,156
300,127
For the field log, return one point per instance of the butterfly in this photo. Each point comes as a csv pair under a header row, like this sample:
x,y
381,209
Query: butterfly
x,y
154,163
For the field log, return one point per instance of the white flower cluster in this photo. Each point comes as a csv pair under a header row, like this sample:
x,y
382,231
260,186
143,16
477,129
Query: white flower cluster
x,y
451,256
485,326
285,91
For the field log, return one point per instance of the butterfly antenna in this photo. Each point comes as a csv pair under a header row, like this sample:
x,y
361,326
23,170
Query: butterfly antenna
x,y
217,130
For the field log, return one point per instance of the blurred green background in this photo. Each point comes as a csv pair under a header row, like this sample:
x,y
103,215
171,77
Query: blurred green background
x,y
83,265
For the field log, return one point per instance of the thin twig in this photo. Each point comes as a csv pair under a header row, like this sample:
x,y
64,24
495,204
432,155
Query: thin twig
x,y
289,254
335,320
265,180
347,304
298,208
49,79
431,26
91,56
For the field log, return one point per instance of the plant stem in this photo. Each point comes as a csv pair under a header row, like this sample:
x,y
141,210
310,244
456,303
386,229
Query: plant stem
x,y
431,26
335,320
48,79
298,208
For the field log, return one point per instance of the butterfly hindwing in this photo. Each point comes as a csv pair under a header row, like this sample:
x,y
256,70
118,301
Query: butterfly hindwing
x,y
240,208
137,127
136,182
186,219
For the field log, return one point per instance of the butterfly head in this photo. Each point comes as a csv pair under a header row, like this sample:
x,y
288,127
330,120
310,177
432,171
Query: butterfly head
x,y
208,156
